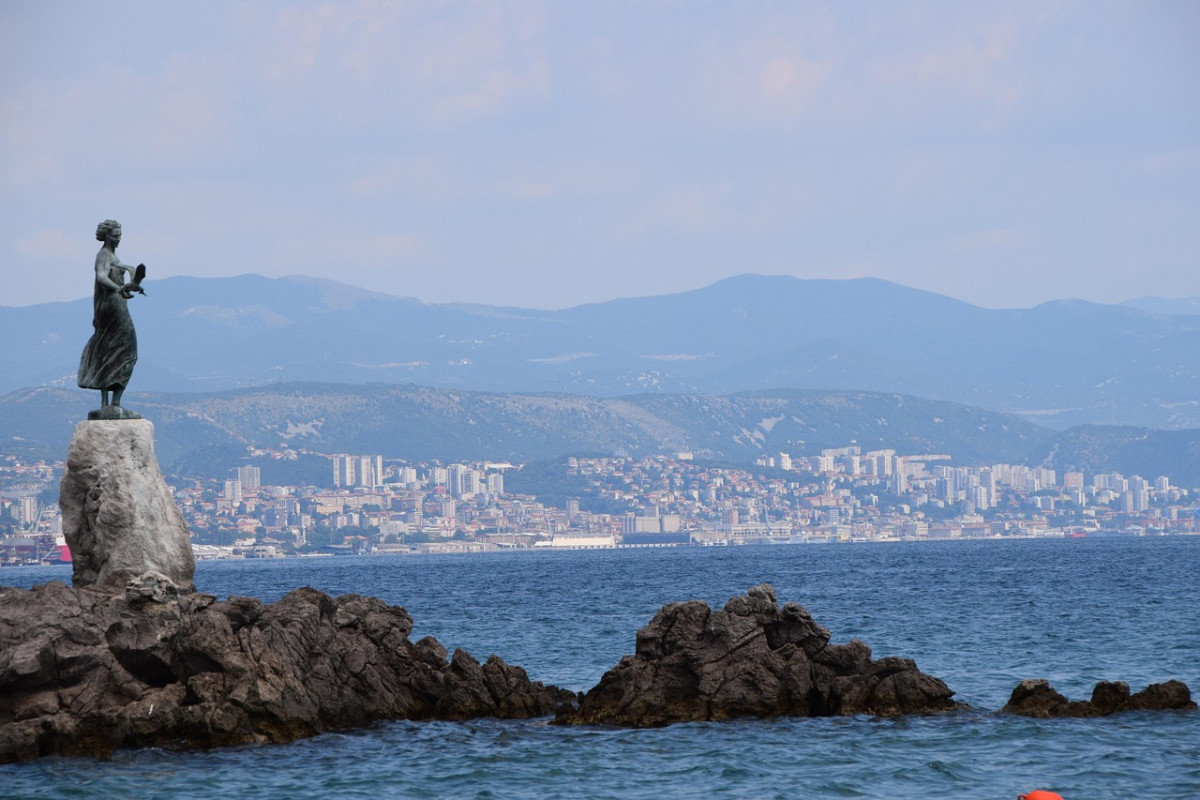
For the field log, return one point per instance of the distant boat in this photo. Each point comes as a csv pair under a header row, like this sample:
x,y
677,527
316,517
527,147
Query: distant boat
x,y
63,556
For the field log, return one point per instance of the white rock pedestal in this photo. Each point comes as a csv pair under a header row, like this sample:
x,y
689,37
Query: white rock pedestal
x,y
119,517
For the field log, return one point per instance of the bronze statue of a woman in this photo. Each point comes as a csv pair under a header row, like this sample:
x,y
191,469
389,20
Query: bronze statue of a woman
x,y
108,358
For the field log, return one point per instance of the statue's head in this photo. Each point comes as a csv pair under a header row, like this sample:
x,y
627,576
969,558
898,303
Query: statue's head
x,y
109,229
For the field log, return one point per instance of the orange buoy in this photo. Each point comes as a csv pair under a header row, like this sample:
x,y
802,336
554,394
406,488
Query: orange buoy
x,y
1040,794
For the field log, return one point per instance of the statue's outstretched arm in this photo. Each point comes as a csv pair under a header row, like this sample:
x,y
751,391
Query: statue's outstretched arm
x,y
116,262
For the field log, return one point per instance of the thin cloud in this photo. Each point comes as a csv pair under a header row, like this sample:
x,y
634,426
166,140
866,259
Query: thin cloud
x,y
295,39
388,248
50,243
695,208
997,239
790,81
495,90
426,176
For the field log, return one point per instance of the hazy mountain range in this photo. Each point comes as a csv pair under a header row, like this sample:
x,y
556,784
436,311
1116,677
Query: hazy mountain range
x,y
747,366
1062,363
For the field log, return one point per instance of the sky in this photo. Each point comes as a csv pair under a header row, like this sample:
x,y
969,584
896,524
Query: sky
x,y
551,154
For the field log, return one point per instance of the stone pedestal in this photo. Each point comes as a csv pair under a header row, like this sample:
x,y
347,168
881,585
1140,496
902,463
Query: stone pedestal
x,y
119,517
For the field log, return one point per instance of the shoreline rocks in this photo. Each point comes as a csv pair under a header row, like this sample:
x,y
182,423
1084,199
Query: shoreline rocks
x,y
1035,697
86,671
89,670
751,659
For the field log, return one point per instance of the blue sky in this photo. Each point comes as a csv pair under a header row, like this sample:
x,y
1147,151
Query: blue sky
x,y
548,154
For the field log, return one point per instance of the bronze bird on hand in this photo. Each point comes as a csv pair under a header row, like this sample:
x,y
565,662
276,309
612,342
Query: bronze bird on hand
x,y
135,285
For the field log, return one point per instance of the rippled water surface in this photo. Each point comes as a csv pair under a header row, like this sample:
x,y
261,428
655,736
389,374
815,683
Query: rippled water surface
x,y
979,614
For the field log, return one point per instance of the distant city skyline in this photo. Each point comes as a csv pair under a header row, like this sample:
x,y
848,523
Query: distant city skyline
x,y
844,494
548,155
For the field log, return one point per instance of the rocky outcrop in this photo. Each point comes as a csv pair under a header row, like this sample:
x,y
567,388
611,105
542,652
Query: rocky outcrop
x,y
88,670
119,517
751,658
1035,697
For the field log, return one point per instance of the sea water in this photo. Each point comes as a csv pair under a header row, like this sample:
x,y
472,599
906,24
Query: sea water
x,y
981,615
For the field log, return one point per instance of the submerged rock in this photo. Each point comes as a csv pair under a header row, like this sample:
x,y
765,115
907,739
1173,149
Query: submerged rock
x,y
88,670
1035,697
751,658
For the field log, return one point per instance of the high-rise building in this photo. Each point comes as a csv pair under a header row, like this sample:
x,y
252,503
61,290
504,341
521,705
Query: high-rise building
x,y
1140,491
979,498
439,476
1112,480
881,463
357,470
370,470
233,491
28,510
457,480
250,477
364,471
987,480
1045,478
344,472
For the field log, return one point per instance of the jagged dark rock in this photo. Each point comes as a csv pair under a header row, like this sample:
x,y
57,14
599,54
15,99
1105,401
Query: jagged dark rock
x,y
89,670
85,671
1035,697
751,658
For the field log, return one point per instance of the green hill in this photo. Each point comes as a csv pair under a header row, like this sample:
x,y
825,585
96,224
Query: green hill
x,y
424,423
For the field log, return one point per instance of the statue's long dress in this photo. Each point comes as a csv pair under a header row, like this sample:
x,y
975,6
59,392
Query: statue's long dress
x,y
108,358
